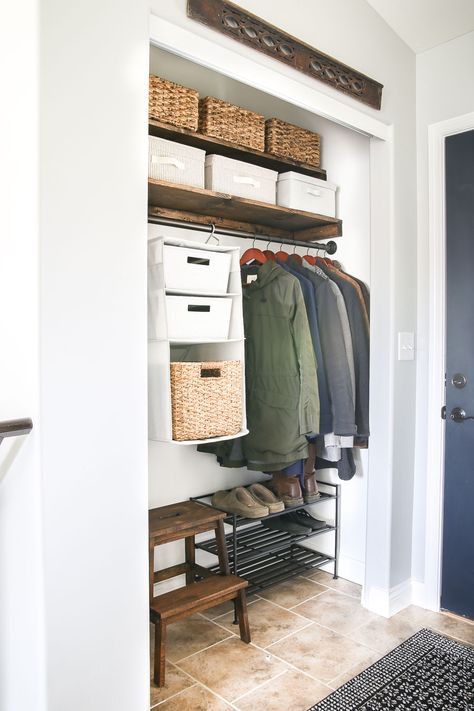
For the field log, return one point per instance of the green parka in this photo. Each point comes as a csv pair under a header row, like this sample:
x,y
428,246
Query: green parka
x,y
281,382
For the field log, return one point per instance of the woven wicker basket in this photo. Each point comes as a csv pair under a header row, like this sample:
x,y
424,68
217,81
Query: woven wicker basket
x,y
173,103
223,120
287,141
206,399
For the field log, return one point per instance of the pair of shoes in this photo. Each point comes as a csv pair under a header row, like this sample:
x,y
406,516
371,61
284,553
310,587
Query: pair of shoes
x,y
288,489
296,522
255,501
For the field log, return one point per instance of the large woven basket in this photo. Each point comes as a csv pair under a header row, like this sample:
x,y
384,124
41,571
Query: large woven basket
x,y
288,141
227,121
206,399
173,103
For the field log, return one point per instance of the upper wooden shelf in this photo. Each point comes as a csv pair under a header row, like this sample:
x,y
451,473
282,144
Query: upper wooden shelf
x,y
231,150
182,202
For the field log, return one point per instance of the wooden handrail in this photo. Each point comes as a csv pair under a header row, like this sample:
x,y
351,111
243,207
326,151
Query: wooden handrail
x,y
15,428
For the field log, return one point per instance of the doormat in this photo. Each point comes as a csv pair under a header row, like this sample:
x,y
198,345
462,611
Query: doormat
x,y
427,671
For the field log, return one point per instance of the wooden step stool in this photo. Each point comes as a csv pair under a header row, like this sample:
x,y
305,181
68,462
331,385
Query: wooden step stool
x,y
185,520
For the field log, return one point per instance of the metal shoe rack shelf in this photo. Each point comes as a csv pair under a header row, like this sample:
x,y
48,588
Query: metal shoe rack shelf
x,y
266,556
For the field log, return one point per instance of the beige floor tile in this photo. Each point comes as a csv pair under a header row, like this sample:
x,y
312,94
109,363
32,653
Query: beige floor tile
x,y
176,681
291,592
320,652
191,635
268,622
232,668
353,671
383,635
439,621
224,608
337,611
292,691
196,698
344,586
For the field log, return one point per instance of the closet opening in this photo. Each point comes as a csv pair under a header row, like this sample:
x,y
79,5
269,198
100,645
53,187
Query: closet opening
x,y
183,468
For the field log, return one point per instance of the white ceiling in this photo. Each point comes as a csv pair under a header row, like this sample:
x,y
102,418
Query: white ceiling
x,y
423,24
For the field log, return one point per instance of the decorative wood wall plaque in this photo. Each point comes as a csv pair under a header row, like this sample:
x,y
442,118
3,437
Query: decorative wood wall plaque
x,y
232,21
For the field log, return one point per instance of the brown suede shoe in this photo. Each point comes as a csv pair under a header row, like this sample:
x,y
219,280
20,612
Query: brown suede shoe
x,y
286,488
310,489
239,501
265,497
311,459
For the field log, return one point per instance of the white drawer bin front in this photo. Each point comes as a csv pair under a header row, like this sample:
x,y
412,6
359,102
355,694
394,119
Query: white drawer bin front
x,y
234,177
175,163
196,270
302,192
195,317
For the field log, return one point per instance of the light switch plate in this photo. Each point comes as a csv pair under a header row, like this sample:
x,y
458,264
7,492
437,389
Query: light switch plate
x,y
406,345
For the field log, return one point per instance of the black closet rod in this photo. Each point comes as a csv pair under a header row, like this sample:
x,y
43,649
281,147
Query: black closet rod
x,y
329,247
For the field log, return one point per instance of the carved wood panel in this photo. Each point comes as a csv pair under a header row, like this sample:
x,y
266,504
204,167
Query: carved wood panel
x,y
231,20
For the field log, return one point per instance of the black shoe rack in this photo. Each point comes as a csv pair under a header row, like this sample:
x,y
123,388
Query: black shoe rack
x,y
266,556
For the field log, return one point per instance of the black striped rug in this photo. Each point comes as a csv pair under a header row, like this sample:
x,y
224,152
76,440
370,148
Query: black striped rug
x,y
428,671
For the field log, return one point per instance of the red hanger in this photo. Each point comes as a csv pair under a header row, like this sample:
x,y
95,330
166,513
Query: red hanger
x,y
310,258
282,256
269,254
252,255
296,258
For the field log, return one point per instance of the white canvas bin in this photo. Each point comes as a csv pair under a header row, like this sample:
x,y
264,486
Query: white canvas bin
x,y
235,177
302,192
175,163
196,270
198,318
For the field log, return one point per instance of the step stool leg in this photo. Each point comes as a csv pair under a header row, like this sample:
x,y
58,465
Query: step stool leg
x,y
241,607
160,653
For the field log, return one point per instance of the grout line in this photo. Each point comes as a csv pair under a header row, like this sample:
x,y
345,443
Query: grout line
x,y
280,607
181,659
212,619
334,589
200,683
177,693
259,686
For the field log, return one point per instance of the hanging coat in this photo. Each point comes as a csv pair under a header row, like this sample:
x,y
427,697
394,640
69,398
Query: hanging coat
x,y
281,380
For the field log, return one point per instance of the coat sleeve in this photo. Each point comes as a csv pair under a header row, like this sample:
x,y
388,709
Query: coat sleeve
x,y
309,395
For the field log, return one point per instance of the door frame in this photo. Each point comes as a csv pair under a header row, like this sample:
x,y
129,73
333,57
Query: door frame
x,y
435,439
202,47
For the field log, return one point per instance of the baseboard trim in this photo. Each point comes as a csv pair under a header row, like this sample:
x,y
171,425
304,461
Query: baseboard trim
x,y
421,596
387,602
349,569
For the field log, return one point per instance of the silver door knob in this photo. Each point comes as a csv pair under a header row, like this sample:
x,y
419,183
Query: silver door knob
x,y
459,415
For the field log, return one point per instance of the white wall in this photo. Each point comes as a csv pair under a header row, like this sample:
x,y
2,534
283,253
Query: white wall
x,y
22,663
345,156
354,33
445,90
93,83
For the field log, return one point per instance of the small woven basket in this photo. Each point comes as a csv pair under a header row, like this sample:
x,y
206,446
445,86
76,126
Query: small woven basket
x,y
206,399
173,103
288,141
227,121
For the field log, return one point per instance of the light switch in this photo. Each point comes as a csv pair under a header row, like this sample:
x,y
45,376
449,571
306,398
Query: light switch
x,y
406,345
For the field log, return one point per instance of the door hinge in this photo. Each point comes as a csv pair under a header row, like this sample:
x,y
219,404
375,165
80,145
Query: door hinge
x,y
443,412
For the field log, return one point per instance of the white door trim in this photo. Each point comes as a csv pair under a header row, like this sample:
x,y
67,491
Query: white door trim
x,y
430,592
206,51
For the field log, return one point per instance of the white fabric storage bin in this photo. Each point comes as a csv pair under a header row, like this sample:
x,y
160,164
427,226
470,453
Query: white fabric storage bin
x,y
195,317
235,177
197,270
175,163
302,192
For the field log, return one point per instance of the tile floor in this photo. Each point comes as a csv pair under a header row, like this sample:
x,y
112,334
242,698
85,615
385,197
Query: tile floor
x,y
309,635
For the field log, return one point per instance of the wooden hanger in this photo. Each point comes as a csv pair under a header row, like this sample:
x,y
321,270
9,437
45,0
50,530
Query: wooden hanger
x,y
268,253
295,257
310,258
252,255
282,256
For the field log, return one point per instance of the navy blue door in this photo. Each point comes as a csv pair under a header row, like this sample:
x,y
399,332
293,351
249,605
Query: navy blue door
x,y
457,588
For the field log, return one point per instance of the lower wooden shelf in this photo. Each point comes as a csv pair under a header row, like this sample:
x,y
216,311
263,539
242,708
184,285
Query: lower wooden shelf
x,y
182,202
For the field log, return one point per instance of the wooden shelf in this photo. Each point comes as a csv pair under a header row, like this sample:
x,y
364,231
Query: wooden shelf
x,y
231,150
182,202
